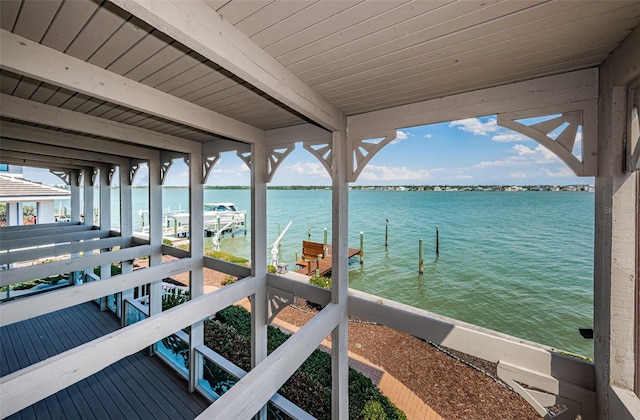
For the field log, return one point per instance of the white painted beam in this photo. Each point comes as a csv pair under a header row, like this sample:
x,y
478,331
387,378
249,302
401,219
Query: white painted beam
x,y
200,28
32,306
37,113
31,384
35,231
42,161
37,271
627,60
92,158
57,250
538,93
74,141
286,136
25,242
227,267
267,378
29,58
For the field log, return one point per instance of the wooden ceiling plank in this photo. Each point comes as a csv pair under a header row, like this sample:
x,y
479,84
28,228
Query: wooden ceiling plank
x,y
124,38
102,109
9,13
26,87
156,62
198,27
270,15
173,70
235,11
68,23
208,95
35,17
75,101
355,32
60,97
113,113
480,71
308,16
332,25
520,49
146,48
173,86
107,20
44,92
28,111
441,21
89,105
196,87
473,41
8,82
26,57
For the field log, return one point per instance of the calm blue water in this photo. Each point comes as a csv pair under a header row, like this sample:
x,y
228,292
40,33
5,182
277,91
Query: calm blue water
x,y
516,262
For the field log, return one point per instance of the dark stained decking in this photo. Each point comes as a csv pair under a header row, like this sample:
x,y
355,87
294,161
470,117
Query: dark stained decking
x,y
324,266
136,387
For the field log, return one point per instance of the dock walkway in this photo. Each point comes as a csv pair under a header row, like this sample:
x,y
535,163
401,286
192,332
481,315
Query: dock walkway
x,y
324,265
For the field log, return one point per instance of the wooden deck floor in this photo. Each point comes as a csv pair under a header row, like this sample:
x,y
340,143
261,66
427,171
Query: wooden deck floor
x,y
137,387
325,264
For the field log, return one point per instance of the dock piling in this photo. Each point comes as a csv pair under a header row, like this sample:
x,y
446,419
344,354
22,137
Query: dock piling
x,y
309,230
386,234
361,247
437,240
325,236
420,257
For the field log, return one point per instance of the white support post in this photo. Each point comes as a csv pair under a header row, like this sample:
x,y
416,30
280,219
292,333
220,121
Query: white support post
x,y
87,192
155,233
259,307
340,276
74,185
196,241
105,223
126,229
616,249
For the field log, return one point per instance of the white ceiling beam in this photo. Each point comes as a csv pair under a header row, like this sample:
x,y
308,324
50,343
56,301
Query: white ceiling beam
x,y
37,113
627,60
73,141
29,58
297,133
200,28
43,161
92,158
547,91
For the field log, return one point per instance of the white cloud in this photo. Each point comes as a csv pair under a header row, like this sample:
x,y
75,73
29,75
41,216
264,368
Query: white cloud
x,y
561,172
309,168
390,173
517,175
508,137
428,135
475,126
463,176
400,135
538,155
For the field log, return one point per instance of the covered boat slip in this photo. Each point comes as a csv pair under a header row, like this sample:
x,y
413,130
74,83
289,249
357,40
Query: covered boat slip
x,y
136,387
96,90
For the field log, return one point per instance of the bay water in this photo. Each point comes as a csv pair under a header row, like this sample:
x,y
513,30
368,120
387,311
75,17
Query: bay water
x,y
516,262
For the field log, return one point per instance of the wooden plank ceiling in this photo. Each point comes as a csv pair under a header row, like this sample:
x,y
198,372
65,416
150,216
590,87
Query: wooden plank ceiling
x,y
360,55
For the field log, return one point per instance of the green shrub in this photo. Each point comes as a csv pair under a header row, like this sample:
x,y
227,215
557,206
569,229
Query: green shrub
x,y
169,301
228,279
237,318
321,281
373,411
224,256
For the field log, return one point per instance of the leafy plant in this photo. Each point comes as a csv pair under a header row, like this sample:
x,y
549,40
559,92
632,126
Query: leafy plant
x,y
373,411
171,300
228,279
321,281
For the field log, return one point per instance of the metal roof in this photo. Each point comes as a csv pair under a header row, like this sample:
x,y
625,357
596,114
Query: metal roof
x,y
13,189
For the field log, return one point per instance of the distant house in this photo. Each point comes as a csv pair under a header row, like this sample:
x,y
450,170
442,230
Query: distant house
x,y
15,191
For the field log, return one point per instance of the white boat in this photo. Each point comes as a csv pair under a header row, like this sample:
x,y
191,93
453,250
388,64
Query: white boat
x,y
216,215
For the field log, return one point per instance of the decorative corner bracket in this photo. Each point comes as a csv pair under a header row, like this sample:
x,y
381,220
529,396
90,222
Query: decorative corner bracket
x,y
276,155
564,124
112,172
322,152
633,131
278,300
65,176
362,150
94,176
166,160
133,170
207,166
246,157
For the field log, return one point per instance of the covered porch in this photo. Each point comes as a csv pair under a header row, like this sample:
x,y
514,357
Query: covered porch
x,y
94,91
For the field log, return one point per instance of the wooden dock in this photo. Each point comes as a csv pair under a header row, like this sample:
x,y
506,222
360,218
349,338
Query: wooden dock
x,y
324,265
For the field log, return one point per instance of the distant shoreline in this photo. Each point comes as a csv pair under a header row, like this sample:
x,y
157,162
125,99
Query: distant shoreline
x,y
437,188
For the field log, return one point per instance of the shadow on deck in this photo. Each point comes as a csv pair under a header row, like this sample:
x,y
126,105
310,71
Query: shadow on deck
x,y
136,387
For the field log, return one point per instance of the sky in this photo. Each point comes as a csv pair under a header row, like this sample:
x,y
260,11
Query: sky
x,y
474,151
